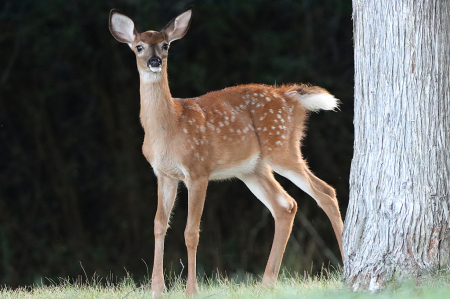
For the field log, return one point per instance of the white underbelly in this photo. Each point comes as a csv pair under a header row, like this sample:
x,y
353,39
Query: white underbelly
x,y
243,168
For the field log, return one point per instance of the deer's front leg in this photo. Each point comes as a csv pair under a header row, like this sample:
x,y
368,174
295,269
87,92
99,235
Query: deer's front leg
x,y
196,201
167,190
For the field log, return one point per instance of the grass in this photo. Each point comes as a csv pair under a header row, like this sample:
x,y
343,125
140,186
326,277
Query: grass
x,y
323,286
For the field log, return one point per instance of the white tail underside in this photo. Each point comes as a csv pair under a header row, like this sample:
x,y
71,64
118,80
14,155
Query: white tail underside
x,y
316,101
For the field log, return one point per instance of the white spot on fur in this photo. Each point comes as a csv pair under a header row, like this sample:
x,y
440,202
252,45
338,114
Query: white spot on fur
x,y
267,99
210,126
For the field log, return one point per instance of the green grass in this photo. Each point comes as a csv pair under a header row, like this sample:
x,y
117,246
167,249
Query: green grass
x,y
323,286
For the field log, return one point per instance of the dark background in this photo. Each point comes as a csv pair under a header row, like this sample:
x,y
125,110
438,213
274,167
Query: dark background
x,y
74,186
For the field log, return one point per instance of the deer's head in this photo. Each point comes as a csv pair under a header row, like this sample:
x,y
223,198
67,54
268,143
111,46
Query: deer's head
x,y
151,47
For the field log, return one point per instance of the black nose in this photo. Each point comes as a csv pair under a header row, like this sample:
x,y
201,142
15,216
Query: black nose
x,y
154,61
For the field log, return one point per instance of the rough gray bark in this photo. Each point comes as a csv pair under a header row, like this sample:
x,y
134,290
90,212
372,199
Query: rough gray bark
x,y
397,221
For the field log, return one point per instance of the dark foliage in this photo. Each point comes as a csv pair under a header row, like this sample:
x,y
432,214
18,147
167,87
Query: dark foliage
x,y
74,185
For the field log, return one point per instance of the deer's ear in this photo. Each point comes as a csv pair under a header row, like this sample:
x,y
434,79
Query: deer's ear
x,y
178,27
122,27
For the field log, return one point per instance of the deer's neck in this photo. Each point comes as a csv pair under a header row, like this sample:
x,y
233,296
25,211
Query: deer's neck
x,y
158,108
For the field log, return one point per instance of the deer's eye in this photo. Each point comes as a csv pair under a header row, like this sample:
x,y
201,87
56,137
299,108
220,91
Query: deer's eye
x,y
165,47
139,48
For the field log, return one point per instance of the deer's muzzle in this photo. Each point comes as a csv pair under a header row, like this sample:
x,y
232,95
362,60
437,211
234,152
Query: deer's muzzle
x,y
154,61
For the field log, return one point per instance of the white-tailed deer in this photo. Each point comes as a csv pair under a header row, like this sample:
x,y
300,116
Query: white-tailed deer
x,y
243,131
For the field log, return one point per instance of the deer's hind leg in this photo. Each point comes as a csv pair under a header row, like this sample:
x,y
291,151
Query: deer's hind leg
x,y
283,208
294,168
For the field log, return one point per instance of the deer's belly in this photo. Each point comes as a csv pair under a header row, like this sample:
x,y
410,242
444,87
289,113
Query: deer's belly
x,y
231,171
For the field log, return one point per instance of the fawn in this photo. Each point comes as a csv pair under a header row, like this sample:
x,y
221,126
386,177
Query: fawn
x,y
245,132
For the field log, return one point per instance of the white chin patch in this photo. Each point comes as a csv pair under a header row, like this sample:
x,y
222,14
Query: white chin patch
x,y
155,69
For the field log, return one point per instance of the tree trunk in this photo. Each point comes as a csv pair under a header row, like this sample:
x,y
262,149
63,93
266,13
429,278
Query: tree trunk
x,y
397,222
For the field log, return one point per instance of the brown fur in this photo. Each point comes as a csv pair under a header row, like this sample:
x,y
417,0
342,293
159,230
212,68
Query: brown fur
x,y
151,37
